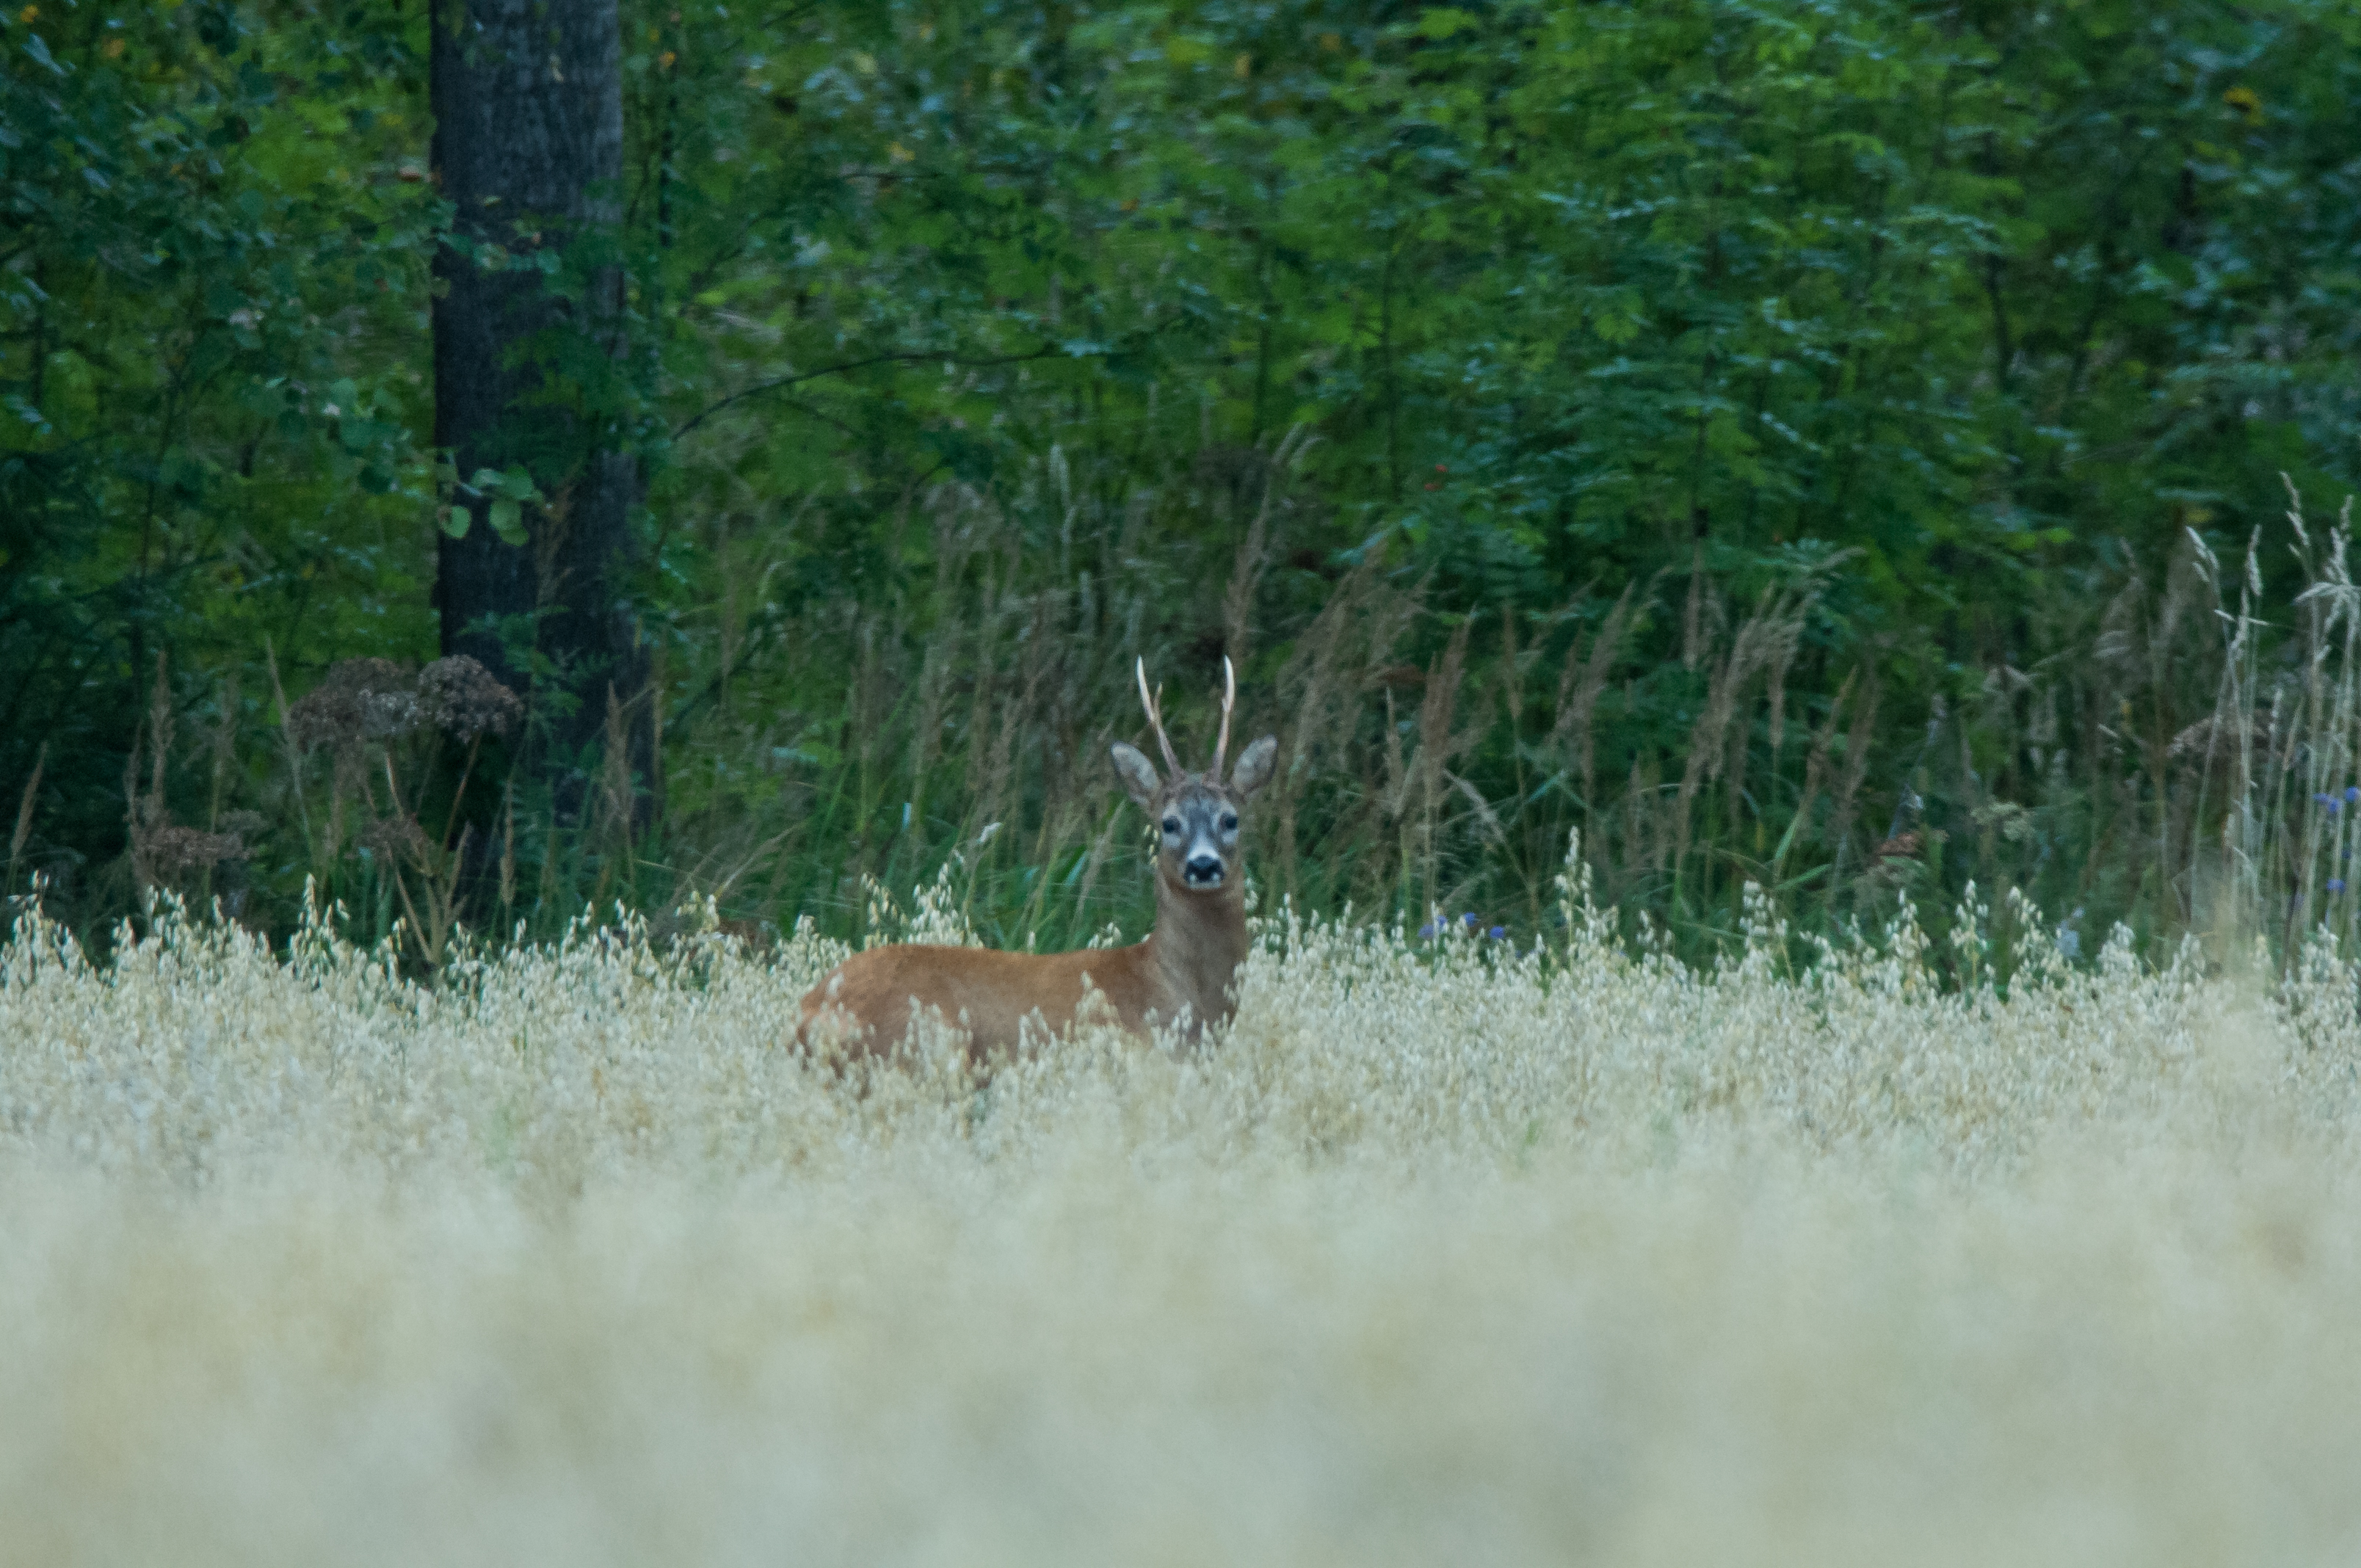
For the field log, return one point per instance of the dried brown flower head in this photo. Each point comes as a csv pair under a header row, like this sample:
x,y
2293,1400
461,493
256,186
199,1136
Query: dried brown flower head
x,y
247,825
171,851
464,700
1902,846
396,836
360,699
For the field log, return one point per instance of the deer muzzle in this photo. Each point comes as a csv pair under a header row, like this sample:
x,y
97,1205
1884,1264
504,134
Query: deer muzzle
x,y
1202,869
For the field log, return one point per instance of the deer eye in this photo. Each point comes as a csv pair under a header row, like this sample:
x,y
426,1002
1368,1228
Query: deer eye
x,y
1172,826
1229,821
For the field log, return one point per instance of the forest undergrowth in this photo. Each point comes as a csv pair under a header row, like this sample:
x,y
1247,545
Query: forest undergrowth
x,y
1448,1250
2187,761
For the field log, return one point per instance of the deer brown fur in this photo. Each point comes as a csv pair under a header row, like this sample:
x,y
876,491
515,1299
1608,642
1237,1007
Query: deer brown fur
x,y
1182,976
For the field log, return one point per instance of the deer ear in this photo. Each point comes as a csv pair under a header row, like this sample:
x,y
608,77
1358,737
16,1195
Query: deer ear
x,y
1138,774
1255,765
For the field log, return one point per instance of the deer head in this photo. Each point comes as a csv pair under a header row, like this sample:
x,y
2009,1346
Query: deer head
x,y
1197,816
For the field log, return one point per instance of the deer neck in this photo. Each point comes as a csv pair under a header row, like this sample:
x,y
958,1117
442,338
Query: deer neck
x,y
1199,942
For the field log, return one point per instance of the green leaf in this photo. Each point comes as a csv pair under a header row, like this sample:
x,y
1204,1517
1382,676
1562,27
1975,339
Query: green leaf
x,y
508,521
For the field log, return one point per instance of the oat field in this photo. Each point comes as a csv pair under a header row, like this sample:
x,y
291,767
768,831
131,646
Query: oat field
x,y
1446,1255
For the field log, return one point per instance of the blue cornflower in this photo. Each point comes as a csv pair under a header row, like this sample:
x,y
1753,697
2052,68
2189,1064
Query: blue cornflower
x,y
1497,932
1427,930
2352,794
2336,884
1470,919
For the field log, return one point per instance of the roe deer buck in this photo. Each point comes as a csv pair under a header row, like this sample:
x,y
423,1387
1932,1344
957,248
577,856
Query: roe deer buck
x,y
1180,975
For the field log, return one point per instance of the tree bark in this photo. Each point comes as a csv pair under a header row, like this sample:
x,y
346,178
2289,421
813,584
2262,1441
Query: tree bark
x,y
529,372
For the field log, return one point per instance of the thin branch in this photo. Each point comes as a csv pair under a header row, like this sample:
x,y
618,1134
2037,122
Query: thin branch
x,y
822,415
1045,351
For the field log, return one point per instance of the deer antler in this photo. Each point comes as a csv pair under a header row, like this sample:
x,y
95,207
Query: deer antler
x,y
1229,700
1155,719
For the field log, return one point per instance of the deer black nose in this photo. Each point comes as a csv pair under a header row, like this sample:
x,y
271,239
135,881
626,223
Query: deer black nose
x,y
1202,871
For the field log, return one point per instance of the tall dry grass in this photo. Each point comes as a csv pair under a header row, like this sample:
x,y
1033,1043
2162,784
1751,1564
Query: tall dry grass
x,y
2173,749
1449,1251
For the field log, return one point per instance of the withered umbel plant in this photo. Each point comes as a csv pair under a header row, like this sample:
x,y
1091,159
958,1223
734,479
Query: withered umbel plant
x,y
164,853
377,720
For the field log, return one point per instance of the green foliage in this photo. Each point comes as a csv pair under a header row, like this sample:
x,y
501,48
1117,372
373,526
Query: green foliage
x,y
509,490
211,295
1913,338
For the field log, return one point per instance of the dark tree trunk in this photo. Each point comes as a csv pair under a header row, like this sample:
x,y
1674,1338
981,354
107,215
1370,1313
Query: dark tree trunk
x,y
527,97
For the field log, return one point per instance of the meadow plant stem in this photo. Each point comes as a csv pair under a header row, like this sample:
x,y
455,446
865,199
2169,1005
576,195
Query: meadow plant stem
x,y
25,810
